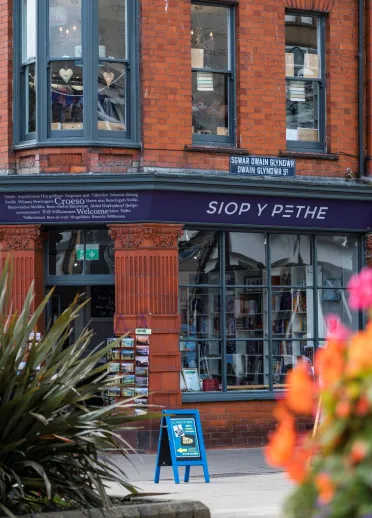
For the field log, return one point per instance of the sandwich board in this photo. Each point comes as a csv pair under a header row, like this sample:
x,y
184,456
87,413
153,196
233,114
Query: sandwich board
x,y
181,443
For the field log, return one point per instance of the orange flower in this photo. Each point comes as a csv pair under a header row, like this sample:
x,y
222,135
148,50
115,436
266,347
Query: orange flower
x,y
358,452
281,412
343,409
360,352
301,390
298,465
362,406
330,362
281,443
325,487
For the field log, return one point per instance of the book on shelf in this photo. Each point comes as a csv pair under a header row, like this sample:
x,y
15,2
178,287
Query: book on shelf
x,y
299,301
249,305
230,304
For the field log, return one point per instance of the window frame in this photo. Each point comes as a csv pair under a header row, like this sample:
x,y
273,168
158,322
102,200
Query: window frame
x,y
269,393
216,140
82,279
321,145
90,135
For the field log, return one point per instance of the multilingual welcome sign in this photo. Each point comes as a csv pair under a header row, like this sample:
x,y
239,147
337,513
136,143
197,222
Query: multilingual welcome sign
x,y
190,207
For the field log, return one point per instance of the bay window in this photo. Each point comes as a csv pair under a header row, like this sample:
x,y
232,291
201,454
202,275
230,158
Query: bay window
x,y
76,74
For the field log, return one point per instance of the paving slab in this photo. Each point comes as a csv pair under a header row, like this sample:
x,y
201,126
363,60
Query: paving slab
x,y
233,462
242,485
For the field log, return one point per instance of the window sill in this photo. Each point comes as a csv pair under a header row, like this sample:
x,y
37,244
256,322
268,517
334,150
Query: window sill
x,y
200,397
216,150
315,155
32,144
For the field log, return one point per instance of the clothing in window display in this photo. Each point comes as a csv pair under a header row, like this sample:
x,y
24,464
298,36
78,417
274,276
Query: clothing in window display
x,y
31,108
67,96
111,98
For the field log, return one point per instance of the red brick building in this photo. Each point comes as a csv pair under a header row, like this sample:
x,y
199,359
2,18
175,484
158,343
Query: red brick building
x,y
197,168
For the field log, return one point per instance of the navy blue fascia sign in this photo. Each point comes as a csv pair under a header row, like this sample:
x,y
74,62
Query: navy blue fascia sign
x,y
181,443
262,166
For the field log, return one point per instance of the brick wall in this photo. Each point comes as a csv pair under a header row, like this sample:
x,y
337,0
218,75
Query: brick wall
x,y
260,39
166,92
237,424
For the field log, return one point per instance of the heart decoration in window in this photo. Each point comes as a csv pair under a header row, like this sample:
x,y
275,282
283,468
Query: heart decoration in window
x,y
108,77
66,74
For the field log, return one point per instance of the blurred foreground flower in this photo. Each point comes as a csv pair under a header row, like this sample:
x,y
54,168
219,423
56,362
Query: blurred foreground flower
x,y
332,467
360,288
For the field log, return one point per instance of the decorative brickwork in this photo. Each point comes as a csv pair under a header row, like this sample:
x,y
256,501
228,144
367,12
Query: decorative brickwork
x,y
26,162
115,160
163,237
129,237
24,246
63,160
20,238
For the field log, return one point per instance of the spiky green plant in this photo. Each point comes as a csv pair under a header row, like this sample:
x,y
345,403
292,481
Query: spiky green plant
x,y
52,442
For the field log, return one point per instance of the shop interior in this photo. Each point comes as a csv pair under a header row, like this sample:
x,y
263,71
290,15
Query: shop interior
x,y
253,304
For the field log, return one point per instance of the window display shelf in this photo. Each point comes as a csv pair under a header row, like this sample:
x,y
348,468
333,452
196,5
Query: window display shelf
x,y
248,314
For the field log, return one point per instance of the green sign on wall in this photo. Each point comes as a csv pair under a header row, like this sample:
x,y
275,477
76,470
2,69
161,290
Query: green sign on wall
x,y
91,252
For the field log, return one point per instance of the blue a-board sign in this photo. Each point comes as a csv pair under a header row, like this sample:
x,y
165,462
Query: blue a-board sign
x,y
181,443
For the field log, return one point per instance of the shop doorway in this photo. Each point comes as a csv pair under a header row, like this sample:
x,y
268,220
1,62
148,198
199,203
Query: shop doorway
x,y
97,314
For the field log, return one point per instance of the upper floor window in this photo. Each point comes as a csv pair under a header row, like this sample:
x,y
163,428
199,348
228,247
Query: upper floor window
x,y
213,85
305,81
76,72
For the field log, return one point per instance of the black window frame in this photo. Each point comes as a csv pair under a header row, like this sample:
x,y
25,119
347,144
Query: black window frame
x,y
90,135
270,393
217,140
321,145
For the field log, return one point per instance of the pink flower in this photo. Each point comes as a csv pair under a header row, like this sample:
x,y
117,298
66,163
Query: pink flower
x,y
336,329
360,290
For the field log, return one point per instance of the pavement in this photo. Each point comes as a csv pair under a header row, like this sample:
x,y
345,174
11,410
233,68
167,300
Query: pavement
x,y
242,485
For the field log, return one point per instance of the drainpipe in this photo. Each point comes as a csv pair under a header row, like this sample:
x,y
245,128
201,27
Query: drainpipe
x,y
361,119
369,89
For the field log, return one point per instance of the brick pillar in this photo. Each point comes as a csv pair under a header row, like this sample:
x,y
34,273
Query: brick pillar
x,y
146,286
24,246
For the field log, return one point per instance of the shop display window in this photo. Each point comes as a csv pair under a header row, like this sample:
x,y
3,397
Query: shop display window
x,y
253,304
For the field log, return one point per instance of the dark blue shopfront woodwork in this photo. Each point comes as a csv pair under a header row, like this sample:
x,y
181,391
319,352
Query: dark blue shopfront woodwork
x,y
190,207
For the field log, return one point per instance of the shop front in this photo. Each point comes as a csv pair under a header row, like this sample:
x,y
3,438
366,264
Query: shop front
x,y
233,277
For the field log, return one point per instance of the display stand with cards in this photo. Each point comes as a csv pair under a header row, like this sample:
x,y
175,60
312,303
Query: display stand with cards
x,y
128,366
